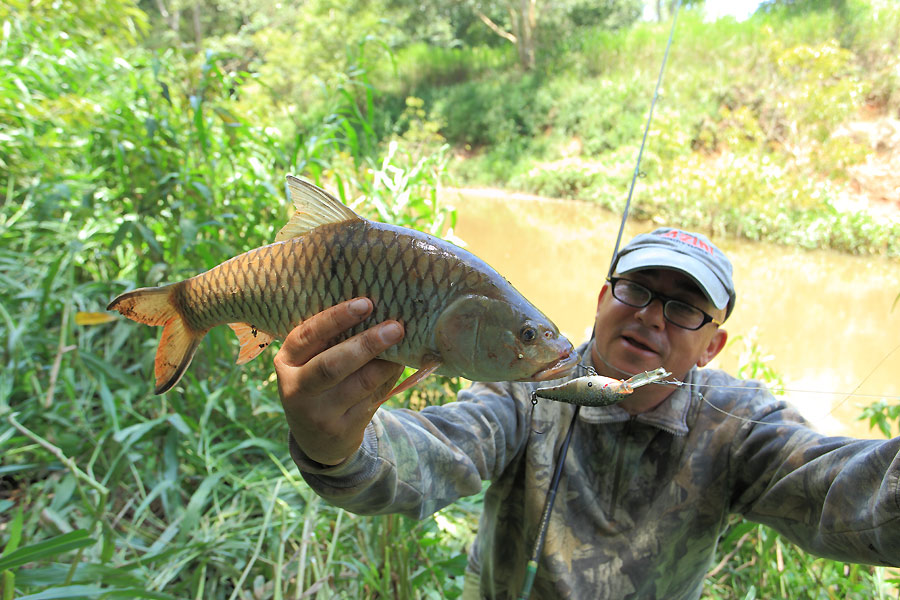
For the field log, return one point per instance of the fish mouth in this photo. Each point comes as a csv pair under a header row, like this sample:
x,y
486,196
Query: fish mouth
x,y
557,369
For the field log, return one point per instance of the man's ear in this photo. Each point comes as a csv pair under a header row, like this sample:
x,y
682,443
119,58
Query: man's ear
x,y
603,290
715,345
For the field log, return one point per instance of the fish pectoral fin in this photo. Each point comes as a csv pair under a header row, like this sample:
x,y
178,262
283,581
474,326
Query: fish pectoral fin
x,y
314,207
253,341
424,371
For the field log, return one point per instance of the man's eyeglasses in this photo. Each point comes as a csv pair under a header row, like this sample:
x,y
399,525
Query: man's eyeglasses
x,y
675,312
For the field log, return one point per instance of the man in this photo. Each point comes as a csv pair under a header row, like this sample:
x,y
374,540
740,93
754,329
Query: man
x,y
648,484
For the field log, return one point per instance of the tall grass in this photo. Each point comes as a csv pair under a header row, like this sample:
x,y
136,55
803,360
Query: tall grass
x,y
125,168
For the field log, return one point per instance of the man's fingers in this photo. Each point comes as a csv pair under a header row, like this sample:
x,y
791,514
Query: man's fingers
x,y
373,382
329,391
310,337
336,364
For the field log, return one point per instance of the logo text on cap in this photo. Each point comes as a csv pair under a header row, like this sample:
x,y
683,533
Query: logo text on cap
x,y
689,239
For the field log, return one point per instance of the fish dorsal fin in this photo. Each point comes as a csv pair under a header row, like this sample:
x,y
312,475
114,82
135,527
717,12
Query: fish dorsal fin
x,y
314,207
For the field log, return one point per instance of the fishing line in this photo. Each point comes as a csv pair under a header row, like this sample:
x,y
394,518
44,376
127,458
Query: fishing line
x,y
725,412
677,383
736,387
531,567
773,390
778,390
854,393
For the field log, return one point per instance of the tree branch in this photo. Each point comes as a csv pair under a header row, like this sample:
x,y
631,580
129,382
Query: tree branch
x,y
496,28
198,28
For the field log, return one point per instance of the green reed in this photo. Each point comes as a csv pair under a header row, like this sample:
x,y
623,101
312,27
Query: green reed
x,y
151,174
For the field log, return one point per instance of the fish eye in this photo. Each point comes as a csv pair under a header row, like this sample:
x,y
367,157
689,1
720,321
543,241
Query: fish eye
x,y
528,334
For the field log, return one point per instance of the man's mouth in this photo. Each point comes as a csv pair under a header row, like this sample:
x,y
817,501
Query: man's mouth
x,y
639,344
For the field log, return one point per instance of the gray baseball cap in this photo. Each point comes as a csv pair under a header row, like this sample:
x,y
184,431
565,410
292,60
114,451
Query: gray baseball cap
x,y
691,253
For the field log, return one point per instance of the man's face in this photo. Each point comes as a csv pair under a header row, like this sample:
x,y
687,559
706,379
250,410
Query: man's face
x,y
632,339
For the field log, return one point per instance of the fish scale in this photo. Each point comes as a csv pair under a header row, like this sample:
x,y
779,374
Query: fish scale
x,y
249,288
460,316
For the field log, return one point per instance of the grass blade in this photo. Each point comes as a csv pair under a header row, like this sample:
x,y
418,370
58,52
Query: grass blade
x,y
47,548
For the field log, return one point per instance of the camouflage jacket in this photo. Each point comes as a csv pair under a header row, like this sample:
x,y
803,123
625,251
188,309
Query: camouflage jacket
x,y
642,500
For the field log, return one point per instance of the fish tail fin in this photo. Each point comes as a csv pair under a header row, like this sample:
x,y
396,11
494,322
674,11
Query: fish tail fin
x,y
155,306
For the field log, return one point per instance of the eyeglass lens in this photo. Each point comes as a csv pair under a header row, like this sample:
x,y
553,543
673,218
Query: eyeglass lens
x,y
678,313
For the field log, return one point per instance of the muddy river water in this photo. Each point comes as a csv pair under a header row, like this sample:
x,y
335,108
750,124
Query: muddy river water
x,y
824,318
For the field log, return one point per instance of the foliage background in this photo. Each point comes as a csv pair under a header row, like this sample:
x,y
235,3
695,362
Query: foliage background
x,y
141,142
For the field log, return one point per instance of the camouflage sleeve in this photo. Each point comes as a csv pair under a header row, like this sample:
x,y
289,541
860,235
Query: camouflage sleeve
x,y
836,497
415,463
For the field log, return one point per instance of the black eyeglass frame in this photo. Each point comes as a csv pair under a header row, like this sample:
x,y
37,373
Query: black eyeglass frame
x,y
665,302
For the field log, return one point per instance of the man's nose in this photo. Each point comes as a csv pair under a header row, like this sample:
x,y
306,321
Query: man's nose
x,y
652,315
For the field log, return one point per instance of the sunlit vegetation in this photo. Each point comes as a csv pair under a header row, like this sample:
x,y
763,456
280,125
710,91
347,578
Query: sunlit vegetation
x,y
750,138
142,143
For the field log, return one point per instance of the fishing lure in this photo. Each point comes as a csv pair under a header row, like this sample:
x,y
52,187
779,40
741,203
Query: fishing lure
x,y
597,390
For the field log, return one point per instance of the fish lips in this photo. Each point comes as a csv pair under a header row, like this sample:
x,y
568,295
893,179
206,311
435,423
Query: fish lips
x,y
565,364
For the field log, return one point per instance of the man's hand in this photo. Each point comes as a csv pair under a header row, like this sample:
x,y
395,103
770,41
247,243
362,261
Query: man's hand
x,y
330,392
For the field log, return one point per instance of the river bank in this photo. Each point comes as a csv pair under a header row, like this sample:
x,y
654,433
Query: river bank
x,y
823,320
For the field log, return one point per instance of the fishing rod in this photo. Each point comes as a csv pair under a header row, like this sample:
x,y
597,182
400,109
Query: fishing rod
x,y
532,565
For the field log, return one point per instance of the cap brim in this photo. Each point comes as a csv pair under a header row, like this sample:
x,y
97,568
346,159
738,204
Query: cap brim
x,y
654,258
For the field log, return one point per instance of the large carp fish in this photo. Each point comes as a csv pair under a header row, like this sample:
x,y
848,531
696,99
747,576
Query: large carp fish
x,y
461,317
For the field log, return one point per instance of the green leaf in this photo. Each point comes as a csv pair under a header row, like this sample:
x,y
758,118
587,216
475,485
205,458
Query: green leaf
x,y
62,492
203,189
92,591
149,238
51,547
47,285
164,90
131,434
139,593
108,403
736,531
198,501
122,232
17,468
177,421
15,532
109,543
227,116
